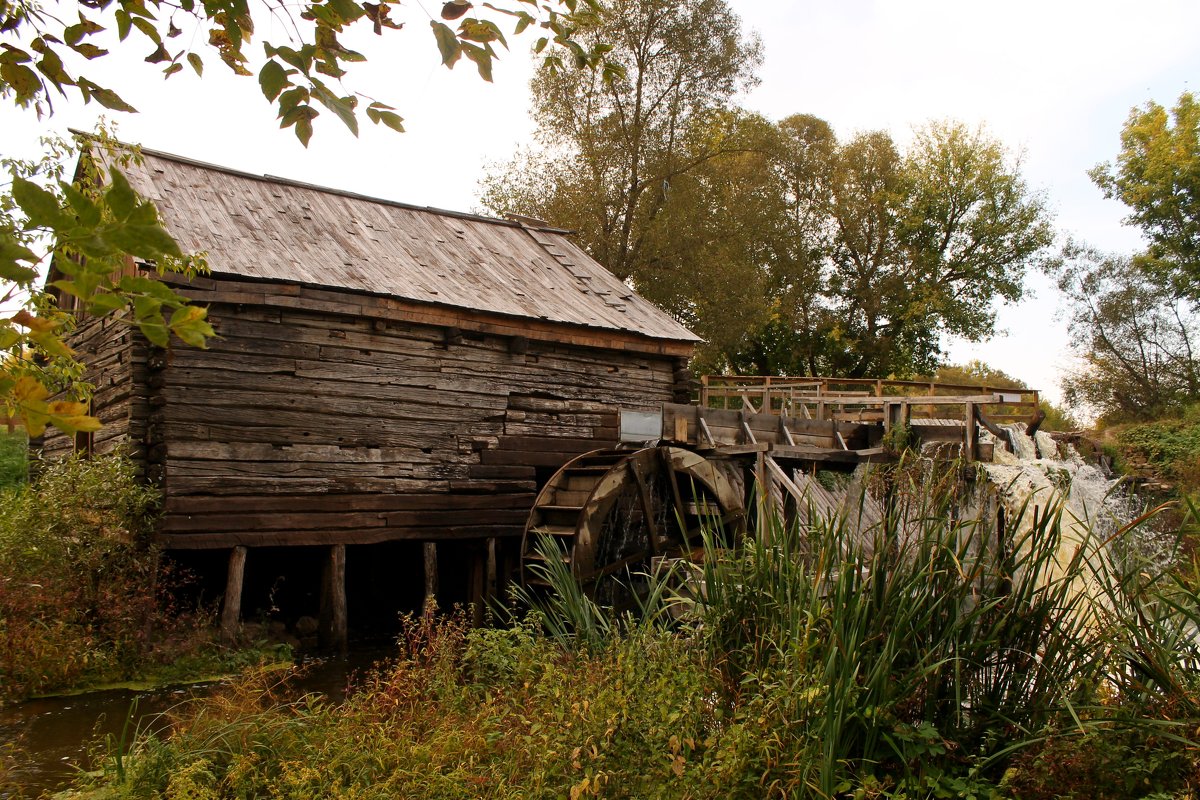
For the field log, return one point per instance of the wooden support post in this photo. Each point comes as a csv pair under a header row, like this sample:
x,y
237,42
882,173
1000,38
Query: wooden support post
x,y
492,586
335,628
431,578
788,439
478,584
231,613
763,492
747,433
970,435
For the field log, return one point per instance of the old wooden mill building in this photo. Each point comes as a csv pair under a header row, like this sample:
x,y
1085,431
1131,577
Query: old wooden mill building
x,y
387,387
400,401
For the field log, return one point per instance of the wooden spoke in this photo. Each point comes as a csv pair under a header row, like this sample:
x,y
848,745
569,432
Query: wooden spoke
x,y
611,511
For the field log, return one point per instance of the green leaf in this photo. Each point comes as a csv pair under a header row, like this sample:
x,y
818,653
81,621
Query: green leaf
x,y
301,117
343,107
106,97
190,325
388,118
75,423
51,66
144,214
291,99
124,22
273,78
21,79
9,336
347,10
481,30
51,343
154,329
120,198
447,43
144,241
15,251
87,211
196,62
12,272
67,287
106,303
88,50
482,56
147,28
40,206
146,307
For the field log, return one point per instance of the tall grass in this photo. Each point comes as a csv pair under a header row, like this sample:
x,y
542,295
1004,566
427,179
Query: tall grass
x,y
919,648
928,656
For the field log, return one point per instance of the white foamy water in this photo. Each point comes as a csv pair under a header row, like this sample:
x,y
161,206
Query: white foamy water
x,y
1040,477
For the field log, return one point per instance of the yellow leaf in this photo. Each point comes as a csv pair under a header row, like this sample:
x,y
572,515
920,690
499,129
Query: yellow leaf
x,y
29,390
76,423
35,421
36,324
66,408
52,344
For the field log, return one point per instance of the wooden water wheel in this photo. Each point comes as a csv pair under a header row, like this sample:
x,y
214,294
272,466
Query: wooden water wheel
x,y
609,511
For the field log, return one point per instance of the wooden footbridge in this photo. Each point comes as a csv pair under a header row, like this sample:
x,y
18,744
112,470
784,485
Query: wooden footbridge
x,y
749,441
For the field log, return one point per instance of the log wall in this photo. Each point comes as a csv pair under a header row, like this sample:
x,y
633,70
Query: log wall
x,y
115,355
302,426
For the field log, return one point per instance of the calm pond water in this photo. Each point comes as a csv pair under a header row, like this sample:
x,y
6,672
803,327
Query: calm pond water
x,y
53,738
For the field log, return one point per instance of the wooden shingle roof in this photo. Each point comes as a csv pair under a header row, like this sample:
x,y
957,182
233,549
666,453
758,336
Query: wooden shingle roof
x,y
279,230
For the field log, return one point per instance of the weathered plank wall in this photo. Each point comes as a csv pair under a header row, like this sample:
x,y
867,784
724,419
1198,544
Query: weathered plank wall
x,y
115,355
299,426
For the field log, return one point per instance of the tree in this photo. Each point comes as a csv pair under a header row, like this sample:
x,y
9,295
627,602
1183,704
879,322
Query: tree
x,y
611,149
1157,174
92,224
898,250
1137,340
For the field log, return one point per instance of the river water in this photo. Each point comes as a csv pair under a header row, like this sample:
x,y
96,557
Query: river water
x,y
47,741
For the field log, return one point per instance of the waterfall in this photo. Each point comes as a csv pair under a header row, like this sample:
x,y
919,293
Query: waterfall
x,y
1040,475
1035,475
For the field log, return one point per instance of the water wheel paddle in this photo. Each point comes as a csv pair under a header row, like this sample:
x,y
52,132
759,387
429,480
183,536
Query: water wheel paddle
x,y
612,510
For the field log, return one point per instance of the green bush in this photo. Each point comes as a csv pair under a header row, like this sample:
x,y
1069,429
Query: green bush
x,y
14,467
82,597
1170,446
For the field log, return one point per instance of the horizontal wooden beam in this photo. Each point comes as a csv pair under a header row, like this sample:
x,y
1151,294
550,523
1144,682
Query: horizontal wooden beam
x,y
215,541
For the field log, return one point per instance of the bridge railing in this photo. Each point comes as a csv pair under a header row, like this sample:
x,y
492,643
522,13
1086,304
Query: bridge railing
x,y
863,399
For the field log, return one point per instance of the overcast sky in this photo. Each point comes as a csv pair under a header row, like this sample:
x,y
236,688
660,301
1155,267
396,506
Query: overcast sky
x,y
1053,80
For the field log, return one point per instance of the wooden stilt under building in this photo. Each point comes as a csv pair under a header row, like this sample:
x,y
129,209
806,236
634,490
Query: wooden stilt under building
x,y
334,630
231,613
